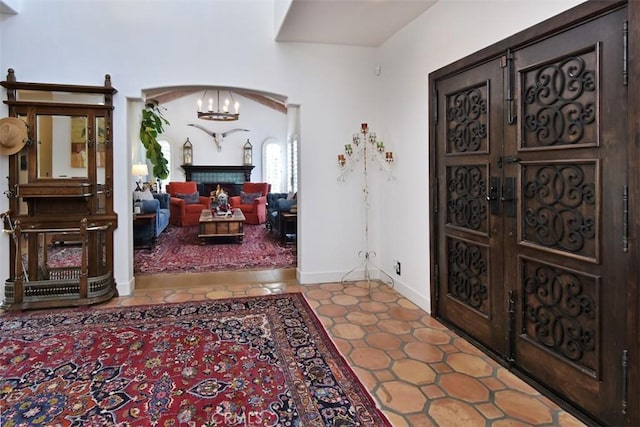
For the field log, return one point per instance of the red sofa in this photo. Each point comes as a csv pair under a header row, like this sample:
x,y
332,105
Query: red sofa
x,y
255,211
185,207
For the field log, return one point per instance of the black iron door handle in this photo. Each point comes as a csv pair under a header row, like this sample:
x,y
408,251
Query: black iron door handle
x,y
493,196
509,196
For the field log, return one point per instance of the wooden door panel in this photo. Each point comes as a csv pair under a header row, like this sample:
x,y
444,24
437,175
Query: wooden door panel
x,y
531,170
569,274
470,140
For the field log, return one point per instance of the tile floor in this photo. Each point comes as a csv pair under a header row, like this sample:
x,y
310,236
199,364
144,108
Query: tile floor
x,y
420,373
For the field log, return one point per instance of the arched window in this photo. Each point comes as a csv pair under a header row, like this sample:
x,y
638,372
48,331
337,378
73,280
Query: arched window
x,y
280,159
274,164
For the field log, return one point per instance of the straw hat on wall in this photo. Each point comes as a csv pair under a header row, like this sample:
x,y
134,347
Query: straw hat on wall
x,y
13,135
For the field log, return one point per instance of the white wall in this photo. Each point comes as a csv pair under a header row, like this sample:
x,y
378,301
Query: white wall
x,y
450,30
167,43
263,122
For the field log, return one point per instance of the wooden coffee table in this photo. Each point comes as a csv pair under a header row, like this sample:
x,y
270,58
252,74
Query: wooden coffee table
x,y
212,225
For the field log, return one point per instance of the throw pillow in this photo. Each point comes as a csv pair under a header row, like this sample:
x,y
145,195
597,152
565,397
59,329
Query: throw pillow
x,y
142,195
291,195
248,198
189,198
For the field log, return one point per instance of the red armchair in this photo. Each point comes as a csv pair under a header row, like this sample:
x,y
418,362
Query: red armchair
x,y
185,210
254,209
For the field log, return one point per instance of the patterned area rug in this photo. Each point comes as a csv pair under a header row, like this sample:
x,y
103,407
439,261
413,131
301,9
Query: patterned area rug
x,y
179,248
255,361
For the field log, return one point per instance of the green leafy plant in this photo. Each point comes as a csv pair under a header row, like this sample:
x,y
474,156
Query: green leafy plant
x,y
152,125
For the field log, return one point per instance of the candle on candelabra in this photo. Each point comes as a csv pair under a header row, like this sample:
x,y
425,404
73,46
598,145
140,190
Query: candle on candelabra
x,y
348,149
389,156
380,146
356,139
341,160
364,127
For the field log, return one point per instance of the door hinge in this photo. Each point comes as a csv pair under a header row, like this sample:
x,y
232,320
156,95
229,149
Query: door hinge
x,y
625,374
625,219
510,357
436,273
625,53
436,195
507,62
435,107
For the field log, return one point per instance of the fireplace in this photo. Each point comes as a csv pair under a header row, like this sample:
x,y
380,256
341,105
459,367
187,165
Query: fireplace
x,y
208,177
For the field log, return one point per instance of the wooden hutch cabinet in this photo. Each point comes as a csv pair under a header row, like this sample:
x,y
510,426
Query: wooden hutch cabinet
x,y
61,218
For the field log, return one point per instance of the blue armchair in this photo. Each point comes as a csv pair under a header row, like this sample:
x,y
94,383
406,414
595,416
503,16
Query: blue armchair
x,y
276,203
149,231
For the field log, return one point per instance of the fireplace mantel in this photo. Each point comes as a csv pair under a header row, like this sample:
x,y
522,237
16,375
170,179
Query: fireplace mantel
x,y
216,173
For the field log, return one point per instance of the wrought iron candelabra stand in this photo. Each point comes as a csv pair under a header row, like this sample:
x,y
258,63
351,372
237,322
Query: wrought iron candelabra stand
x,y
365,147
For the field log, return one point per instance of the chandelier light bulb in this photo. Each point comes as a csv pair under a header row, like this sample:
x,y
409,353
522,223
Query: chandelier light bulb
x,y
220,113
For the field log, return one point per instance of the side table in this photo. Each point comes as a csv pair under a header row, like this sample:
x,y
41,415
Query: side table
x,y
288,227
147,221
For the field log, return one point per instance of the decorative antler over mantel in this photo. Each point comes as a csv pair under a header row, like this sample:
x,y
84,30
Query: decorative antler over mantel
x,y
217,136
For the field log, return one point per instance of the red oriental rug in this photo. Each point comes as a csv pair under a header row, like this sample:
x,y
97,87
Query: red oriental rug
x,y
178,249
255,361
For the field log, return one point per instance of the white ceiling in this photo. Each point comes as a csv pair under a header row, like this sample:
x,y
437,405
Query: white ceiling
x,y
350,22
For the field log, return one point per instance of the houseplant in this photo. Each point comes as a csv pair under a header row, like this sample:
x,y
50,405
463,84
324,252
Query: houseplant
x,y
151,126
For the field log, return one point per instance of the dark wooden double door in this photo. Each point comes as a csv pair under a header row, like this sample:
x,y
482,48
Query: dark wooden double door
x,y
529,200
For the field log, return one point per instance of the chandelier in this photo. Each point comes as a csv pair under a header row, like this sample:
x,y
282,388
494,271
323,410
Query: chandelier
x,y
219,114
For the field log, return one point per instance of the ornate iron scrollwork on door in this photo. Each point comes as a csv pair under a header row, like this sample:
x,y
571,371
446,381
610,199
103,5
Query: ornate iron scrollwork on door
x,y
467,194
468,274
560,312
467,121
560,103
560,207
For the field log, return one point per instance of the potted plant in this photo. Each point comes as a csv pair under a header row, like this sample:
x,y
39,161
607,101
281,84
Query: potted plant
x,y
151,126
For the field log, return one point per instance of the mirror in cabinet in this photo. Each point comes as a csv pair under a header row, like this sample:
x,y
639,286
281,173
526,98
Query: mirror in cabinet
x,y
61,194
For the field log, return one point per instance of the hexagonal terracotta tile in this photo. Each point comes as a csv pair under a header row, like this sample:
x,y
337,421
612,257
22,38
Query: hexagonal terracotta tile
x,y
394,326
347,331
401,396
318,294
370,358
361,318
424,352
401,313
475,366
383,341
344,300
373,307
331,310
464,387
449,412
432,336
413,371
524,407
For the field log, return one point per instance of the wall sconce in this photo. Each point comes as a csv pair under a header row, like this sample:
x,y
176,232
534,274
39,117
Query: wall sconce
x,y
187,152
248,154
